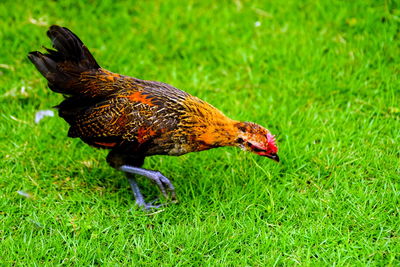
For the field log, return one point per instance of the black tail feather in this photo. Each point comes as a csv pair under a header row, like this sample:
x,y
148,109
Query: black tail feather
x,y
45,64
70,47
70,58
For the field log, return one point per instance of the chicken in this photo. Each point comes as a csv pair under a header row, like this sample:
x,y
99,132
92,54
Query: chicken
x,y
136,118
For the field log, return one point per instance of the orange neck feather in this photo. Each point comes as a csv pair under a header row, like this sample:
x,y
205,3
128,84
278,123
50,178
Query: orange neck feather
x,y
209,126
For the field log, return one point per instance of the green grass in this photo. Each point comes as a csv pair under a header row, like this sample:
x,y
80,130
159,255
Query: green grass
x,y
323,76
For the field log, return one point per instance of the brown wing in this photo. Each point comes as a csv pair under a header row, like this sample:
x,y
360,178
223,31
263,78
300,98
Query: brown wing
x,y
123,117
112,109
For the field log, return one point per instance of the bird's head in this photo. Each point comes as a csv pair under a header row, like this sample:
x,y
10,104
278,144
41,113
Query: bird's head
x,y
255,138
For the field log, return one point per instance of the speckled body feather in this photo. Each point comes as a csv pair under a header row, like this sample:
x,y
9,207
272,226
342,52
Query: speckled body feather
x,y
148,117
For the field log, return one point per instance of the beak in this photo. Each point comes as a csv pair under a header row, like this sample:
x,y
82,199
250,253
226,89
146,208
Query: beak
x,y
274,157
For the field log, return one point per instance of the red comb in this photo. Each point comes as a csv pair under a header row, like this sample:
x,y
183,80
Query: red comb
x,y
271,142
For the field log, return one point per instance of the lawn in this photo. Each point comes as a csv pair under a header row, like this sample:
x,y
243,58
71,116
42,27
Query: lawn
x,y
322,75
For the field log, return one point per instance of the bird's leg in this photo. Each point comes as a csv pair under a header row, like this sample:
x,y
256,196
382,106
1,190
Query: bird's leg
x,y
136,190
138,195
162,182
131,165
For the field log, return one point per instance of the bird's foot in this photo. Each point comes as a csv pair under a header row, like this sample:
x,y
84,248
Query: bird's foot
x,y
150,205
165,185
139,199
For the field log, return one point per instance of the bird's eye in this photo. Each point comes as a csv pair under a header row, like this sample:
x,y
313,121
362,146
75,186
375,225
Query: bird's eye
x,y
242,128
240,140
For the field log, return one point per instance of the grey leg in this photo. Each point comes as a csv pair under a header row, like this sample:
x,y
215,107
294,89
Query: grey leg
x,y
162,182
136,191
138,195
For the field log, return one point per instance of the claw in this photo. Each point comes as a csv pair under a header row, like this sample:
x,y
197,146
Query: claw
x,y
165,185
158,180
148,206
